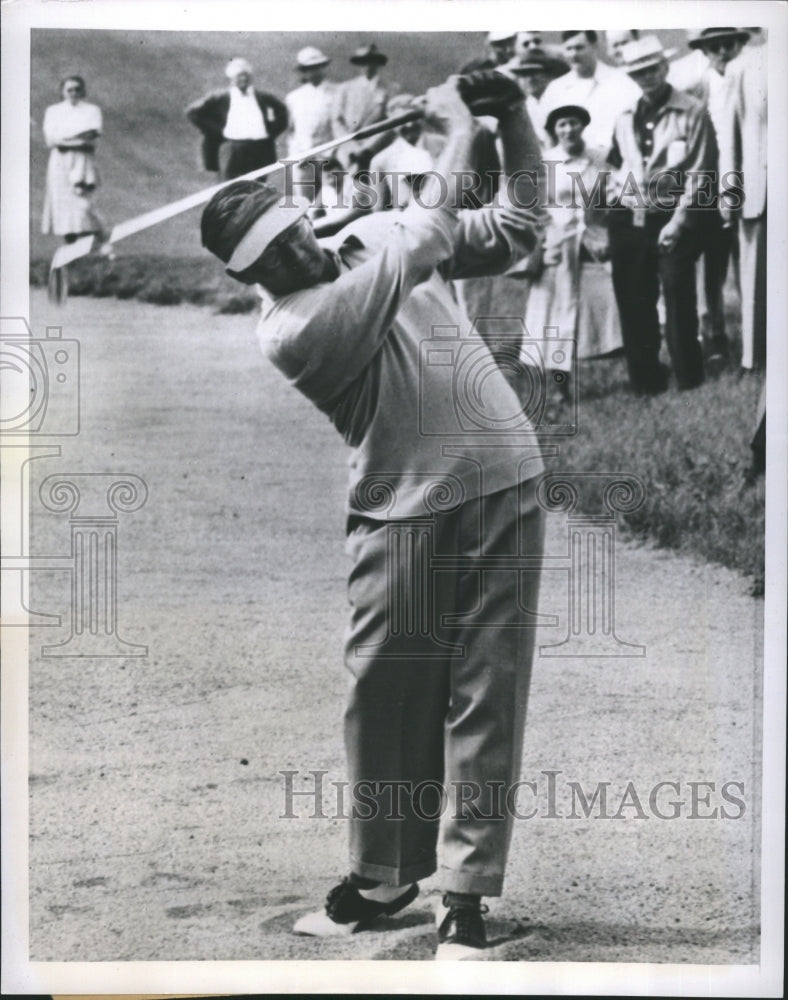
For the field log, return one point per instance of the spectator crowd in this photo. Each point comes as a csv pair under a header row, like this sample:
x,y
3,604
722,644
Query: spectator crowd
x,y
655,167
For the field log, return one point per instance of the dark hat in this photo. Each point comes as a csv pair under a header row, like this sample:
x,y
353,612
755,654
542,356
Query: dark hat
x,y
701,38
368,55
566,111
242,218
536,61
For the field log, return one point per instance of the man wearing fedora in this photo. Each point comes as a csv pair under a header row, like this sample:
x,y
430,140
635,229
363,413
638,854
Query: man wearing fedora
x,y
360,102
665,154
239,125
365,325
591,83
720,46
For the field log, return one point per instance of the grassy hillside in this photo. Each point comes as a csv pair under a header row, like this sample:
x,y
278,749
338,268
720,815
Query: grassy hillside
x,y
143,80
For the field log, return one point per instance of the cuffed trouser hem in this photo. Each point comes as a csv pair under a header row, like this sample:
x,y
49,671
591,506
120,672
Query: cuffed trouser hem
x,y
471,882
393,876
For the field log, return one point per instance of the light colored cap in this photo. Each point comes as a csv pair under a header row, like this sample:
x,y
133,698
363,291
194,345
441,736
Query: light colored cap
x,y
236,66
500,36
643,52
267,227
310,56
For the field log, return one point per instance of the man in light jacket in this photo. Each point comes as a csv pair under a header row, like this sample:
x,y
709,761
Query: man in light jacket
x,y
743,149
592,84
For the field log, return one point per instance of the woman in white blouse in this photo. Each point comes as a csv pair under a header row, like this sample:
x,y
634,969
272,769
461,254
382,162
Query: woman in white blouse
x,y
71,130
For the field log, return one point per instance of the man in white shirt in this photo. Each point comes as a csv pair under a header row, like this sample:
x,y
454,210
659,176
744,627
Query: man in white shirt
x,y
591,83
311,114
615,42
239,124
397,170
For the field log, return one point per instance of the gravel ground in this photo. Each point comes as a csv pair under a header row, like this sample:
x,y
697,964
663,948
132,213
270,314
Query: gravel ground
x,y
155,793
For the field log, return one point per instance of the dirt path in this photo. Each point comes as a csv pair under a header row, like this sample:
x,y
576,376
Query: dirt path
x,y
155,793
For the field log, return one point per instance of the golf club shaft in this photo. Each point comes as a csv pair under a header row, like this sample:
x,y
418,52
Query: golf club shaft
x,y
70,252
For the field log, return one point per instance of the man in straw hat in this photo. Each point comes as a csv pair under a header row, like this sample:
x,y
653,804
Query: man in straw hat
x,y
311,110
663,148
366,325
239,125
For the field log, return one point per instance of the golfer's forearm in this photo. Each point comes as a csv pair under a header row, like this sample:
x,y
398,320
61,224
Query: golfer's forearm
x,y
521,150
454,157
522,156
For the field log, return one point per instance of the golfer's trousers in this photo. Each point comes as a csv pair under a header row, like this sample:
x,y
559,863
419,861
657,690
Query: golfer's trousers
x,y
439,647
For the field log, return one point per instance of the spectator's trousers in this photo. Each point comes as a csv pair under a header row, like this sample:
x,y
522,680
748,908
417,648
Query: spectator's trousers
x,y
718,243
639,267
752,270
240,156
440,656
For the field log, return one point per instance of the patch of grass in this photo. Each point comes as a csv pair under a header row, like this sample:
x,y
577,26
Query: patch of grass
x,y
237,302
690,451
158,279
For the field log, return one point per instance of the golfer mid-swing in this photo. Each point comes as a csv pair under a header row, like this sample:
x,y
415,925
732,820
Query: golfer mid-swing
x,y
367,326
